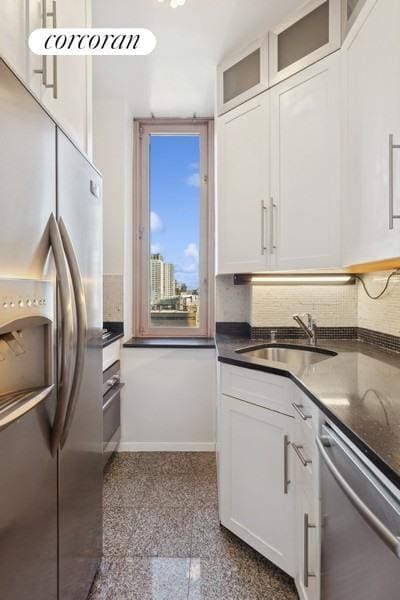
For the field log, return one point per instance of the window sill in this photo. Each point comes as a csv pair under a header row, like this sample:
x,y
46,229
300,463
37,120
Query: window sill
x,y
170,343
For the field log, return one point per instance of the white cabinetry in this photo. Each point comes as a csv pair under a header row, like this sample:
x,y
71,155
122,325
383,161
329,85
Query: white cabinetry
x,y
306,486
242,75
70,105
65,84
243,184
256,496
305,168
371,71
308,35
13,35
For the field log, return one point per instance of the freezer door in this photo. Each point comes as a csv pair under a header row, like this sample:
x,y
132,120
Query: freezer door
x,y
80,456
27,180
28,508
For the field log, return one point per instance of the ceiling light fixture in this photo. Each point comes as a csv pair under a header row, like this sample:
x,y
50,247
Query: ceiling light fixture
x,y
295,279
175,3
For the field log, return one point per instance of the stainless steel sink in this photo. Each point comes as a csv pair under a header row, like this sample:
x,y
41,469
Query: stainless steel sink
x,y
293,354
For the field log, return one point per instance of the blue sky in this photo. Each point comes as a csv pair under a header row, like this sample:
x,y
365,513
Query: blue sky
x,y
175,203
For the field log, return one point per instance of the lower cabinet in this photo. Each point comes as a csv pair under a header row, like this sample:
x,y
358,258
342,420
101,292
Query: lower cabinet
x,y
256,496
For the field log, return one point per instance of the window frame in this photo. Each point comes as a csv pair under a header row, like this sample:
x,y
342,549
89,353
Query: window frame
x,y
143,128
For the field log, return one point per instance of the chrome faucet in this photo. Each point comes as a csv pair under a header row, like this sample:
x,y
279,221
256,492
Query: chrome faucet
x,y
310,329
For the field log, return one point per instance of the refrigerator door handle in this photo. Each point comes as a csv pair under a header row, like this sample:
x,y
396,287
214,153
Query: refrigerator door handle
x,y
67,326
82,326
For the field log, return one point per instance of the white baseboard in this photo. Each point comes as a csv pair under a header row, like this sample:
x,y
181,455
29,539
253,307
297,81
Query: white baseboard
x,y
166,447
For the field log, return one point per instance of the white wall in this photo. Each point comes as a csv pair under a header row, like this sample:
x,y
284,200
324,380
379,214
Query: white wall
x,y
168,399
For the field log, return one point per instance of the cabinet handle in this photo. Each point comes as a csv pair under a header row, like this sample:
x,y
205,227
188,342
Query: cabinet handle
x,y
298,408
43,70
263,213
286,480
272,225
392,147
304,461
306,573
54,85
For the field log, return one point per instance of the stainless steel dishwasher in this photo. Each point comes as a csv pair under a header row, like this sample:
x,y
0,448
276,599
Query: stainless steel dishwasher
x,y
360,515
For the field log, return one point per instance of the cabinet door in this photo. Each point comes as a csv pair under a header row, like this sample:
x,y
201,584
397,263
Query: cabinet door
x,y
243,174
68,103
311,33
371,57
242,75
305,168
13,46
256,500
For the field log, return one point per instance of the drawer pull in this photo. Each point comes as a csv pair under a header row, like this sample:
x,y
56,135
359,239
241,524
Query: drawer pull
x,y
307,527
299,409
286,480
304,461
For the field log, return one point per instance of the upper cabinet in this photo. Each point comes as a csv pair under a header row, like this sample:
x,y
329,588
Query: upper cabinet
x,y
13,35
350,12
371,73
309,35
279,176
243,187
61,83
305,168
242,75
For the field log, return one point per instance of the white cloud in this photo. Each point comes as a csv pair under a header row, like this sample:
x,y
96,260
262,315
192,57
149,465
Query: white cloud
x,y
192,268
156,223
155,248
194,166
192,251
193,180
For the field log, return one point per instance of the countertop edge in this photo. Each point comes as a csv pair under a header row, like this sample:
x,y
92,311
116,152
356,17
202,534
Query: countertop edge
x,y
366,450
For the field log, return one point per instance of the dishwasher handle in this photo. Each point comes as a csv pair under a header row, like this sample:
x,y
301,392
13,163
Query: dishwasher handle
x,y
388,537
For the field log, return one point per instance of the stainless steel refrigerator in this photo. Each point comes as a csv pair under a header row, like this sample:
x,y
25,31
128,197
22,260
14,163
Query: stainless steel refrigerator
x,y
50,356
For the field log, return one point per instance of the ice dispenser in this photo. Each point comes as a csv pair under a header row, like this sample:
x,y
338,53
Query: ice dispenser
x,y
26,346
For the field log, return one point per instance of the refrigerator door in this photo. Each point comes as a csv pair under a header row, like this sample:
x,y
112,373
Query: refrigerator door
x,y
27,180
80,455
28,471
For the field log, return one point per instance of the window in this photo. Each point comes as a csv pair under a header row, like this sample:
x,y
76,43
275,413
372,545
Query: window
x,y
173,273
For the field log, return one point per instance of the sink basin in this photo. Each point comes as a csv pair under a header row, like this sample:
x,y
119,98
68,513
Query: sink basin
x,y
293,354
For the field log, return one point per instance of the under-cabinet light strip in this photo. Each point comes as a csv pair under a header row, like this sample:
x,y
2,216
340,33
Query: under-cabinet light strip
x,y
298,279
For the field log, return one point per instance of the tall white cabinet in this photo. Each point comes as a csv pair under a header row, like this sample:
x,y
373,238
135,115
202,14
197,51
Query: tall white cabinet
x,y
63,83
371,73
243,184
305,167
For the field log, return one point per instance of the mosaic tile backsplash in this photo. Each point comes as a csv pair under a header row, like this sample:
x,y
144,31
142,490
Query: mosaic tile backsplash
x,y
332,306
113,297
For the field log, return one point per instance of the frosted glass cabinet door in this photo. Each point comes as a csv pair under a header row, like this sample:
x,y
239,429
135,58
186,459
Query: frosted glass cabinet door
x,y
243,184
308,35
371,71
242,75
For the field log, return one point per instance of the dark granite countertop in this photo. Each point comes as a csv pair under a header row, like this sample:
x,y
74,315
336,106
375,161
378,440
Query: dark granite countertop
x,y
170,343
359,390
112,338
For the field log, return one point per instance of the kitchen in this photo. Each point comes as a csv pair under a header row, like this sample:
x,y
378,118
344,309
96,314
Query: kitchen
x,y
199,302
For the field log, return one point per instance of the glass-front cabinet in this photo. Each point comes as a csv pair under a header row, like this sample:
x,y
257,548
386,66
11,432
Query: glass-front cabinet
x,y
308,35
350,11
243,75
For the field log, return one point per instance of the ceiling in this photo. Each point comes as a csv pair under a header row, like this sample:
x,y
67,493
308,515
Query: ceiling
x,y
177,79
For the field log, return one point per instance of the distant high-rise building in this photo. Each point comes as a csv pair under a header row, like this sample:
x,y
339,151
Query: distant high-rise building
x,y
168,280
156,276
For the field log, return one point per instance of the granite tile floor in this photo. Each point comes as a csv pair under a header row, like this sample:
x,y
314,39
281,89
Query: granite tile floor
x,y
163,539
